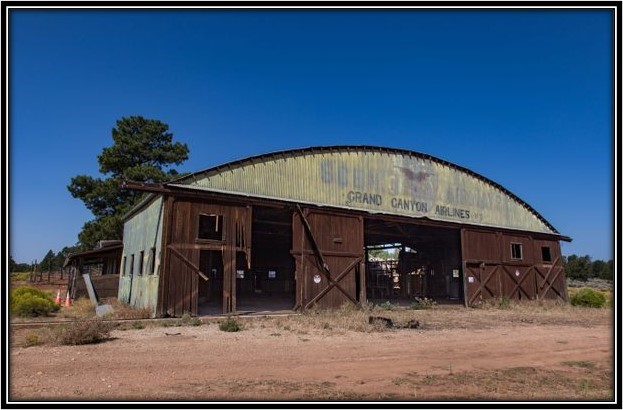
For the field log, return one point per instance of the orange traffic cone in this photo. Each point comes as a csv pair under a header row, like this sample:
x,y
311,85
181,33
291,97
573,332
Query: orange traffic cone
x,y
67,300
58,298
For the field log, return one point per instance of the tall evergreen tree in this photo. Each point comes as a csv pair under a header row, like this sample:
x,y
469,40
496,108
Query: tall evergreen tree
x,y
143,150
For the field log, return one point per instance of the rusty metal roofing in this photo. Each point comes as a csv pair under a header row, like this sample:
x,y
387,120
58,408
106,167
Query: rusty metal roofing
x,y
372,179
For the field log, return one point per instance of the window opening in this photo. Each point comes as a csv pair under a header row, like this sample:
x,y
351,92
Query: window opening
x,y
516,251
152,257
140,262
210,227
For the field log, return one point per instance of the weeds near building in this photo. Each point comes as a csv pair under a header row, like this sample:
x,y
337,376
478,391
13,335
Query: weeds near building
x,y
230,325
83,332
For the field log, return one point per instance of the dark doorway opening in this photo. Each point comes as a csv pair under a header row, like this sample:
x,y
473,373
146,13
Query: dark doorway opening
x,y
408,263
269,284
210,297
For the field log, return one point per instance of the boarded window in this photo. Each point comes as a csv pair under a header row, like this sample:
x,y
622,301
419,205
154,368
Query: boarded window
x,y
152,258
210,227
140,262
516,251
546,254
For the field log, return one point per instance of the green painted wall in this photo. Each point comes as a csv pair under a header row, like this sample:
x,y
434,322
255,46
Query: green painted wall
x,y
142,232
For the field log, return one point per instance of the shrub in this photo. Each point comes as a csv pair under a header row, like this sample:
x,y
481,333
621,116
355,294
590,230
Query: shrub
x,y
230,325
20,276
589,298
422,303
505,302
185,319
386,305
30,302
83,332
138,325
33,339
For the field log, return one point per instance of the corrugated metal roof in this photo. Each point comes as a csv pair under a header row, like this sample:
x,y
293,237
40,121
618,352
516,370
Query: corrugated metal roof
x,y
260,176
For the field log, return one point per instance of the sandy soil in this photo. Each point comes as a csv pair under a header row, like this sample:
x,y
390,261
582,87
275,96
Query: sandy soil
x,y
509,361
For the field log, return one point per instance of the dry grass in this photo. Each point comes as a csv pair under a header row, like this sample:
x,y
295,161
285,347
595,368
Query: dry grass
x,y
82,308
517,383
124,311
81,332
488,316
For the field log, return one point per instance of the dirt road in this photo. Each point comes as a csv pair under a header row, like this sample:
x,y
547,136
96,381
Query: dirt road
x,y
508,361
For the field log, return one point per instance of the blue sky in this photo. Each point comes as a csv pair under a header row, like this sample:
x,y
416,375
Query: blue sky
x,y
522,97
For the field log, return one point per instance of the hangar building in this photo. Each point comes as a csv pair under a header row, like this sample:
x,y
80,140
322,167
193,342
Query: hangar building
x,y
298,228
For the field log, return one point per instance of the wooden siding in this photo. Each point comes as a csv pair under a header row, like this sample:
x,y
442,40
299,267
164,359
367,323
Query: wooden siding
x,y
183,248
328,247
490,271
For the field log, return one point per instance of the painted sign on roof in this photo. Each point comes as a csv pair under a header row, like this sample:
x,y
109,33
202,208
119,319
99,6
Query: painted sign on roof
x,y
376,180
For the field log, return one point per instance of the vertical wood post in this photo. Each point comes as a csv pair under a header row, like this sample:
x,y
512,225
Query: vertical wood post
x,y
163,280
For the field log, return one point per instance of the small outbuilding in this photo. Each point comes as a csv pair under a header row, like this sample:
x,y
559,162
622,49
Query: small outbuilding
x,y
101,264
298,228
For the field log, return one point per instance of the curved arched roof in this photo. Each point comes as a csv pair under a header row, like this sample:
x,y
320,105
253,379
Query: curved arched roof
x,y
373,179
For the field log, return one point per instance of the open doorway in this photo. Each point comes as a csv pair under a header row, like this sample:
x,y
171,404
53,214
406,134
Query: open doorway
x,y
269,284
407,262
210,292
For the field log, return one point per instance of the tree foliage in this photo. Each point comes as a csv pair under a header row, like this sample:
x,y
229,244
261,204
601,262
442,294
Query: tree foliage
x,y
143,150
48,262
583,268
17,267
54,261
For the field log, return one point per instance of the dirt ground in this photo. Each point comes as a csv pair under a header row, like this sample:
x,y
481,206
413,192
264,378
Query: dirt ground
x,y
479,355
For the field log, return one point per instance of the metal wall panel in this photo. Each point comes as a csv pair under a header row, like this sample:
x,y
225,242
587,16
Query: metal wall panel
x,y
142,232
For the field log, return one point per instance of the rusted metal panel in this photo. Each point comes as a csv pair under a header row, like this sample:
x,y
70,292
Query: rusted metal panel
x,y
328,250
375,180
142,233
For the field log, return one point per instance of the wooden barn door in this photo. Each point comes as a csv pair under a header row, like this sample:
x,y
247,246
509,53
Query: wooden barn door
x,y
481,282
192,227
329,256
492,280
550,281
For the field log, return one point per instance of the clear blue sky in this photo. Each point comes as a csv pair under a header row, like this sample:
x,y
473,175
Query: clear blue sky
x,y
522,97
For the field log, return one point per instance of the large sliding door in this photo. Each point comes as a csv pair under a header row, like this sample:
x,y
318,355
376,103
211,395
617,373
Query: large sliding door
x,y
329,256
